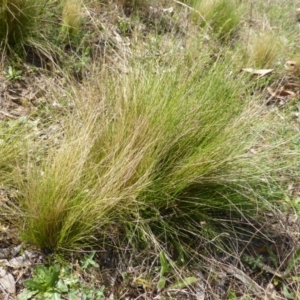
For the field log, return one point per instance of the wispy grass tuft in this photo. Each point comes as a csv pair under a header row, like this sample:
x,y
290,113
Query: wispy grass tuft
x,y
13,144
161,143
18,19
222,16
147,150
264,49
36,30
72,15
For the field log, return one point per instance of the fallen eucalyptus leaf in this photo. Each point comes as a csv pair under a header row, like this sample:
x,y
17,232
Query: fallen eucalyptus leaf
x,y
7,281
261,72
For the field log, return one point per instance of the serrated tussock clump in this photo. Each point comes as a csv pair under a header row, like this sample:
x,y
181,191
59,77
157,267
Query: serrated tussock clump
x,y
264,49
221,16
151,150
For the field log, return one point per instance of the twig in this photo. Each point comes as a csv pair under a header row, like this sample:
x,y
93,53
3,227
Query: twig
x,y
7,114
244,278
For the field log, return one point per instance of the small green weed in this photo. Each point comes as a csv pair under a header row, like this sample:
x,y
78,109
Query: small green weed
x,y
296,204
13,74
124,25
55,283
253,262
89,261
164,269
231,295
280,279
44,284
288,294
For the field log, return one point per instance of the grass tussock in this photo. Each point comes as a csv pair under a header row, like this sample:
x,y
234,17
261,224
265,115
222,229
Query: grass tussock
x,y
40,31
146,134
156,149
222,16
72,15
264,49
19,19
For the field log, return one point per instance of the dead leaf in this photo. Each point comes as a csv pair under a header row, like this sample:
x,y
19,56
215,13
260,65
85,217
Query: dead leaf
x,y
4,228
253,151
290,86
271,92
291,65
292,93
261,72
281,93
15,250
7,281
295,115
19,262
200,287
169,10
